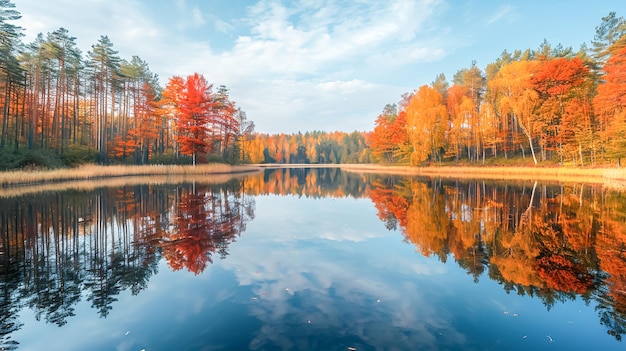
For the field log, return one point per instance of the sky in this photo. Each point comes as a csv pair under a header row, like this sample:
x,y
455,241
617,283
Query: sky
x,y
317,65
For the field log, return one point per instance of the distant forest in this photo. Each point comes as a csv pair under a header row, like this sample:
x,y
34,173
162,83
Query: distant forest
x,y
62,107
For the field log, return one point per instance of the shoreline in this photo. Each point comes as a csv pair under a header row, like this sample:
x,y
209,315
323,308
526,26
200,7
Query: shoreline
x,y
611,177
116,182
21,178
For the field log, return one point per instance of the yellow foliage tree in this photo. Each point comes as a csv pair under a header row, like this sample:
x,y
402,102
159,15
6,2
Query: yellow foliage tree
x,y
426,124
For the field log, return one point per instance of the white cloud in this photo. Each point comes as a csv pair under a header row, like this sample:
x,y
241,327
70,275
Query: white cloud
x,y
123,22
222,27
198,18
303,40
309,105
181,5
502,12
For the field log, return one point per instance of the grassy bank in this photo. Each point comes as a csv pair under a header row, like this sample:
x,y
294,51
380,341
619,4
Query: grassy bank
x,y
614,177
116,182
94,172
609,176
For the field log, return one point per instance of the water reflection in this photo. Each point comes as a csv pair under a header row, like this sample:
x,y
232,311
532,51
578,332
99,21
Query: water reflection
x,y
59,247
557,243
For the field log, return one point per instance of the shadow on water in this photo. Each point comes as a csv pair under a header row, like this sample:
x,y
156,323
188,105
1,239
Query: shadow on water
x,y
553,242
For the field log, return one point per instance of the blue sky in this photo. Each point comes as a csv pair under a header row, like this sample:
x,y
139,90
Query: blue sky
x,y
308,65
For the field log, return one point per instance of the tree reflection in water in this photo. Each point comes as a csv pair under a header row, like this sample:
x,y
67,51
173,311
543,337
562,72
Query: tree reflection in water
x,y
206,221
554,242
56,248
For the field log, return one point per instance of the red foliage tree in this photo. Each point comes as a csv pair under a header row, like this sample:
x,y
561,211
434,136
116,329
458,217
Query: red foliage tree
x,y
390,140
194,107
555,81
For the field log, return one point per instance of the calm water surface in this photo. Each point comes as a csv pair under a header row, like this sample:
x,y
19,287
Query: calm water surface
x,y
315,260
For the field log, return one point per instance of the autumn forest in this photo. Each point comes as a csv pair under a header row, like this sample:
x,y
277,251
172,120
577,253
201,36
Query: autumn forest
x,y
63,107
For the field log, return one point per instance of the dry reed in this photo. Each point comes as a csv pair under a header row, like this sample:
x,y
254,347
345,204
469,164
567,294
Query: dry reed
x,y
19,182
613,177
93,172
115,182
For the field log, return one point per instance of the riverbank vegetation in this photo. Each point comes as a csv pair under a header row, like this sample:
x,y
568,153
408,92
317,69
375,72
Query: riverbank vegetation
x,y
611,177
96,172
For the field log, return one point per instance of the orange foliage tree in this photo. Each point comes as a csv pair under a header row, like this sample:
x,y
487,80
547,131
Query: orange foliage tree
x,y
517,98
426,117
610,103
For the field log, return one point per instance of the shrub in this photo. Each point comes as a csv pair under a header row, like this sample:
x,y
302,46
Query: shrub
x,y
10,159
214,158
76,155
42,158
29,159
170,159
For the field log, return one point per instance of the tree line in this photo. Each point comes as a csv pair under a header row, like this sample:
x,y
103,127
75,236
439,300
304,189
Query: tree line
x,y
60,104
311,147
551,104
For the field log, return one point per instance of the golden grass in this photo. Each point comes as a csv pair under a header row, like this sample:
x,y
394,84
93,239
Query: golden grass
x,y
93,172
116,182
613,177
86,177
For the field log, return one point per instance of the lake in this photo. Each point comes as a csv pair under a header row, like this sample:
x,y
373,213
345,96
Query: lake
x,y
314,259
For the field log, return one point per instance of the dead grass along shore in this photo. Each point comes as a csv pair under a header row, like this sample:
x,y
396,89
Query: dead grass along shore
x,y
93,172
